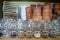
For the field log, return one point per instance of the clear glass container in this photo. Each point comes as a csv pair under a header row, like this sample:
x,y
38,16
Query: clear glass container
x,y
21,34
29,29
3,29
29,34
19,24
13,34
36,26
37,34
5,33
53,31
29,25
22,27
45,32
10,25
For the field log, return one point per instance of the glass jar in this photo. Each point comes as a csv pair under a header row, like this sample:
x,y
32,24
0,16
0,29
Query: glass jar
x,y
24,25
58,30
36,25
29,25
19,24
37,34
5,33
3,29
45,32
29,34
13,34
52,26
52,33
21,34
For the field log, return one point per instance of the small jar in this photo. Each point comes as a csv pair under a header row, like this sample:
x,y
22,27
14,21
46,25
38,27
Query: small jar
x,y
52,34
29,34
5,33
45,34
21,34
37,34
13,34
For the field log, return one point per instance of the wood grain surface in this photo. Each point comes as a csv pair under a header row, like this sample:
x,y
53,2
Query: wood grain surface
x,y
57,38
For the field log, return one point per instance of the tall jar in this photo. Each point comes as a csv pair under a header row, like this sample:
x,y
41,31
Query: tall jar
x,y
29,31
45,32
54,31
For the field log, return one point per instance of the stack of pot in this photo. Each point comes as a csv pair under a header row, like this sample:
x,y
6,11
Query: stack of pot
x,y
28,13
37,14
47,12
57,8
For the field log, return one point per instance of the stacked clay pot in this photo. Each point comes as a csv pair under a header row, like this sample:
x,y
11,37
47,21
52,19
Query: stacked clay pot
x,y
28,13
33,6
47,14
56,8
37,14
40,6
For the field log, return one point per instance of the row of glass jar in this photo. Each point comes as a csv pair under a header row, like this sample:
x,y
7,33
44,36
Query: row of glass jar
x,y
12,26
29,34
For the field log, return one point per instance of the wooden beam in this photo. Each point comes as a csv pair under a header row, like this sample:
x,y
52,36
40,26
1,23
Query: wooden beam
x,y
36,0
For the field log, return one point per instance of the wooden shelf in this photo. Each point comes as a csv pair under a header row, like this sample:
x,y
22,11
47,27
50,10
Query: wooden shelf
x,y
58,38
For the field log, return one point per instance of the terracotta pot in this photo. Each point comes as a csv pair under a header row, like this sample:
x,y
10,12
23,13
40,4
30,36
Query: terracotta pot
x,y
29,9
33,6
37,14
47,14
57,5
28,13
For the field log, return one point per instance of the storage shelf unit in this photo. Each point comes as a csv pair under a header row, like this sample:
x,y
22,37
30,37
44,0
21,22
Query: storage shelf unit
x,y
10,8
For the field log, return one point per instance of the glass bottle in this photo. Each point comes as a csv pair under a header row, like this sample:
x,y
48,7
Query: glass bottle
x,y
21,28
52,31
45,32
29,31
